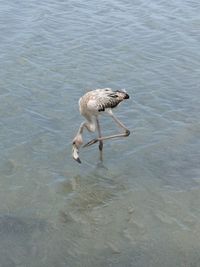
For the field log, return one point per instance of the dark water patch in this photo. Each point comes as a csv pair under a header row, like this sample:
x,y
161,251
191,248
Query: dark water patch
x,y
7,167
20,239
14,225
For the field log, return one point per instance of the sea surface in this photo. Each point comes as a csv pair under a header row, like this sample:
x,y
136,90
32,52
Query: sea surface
x,y
141,206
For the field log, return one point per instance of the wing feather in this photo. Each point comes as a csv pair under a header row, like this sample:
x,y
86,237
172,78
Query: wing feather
x,y
101,99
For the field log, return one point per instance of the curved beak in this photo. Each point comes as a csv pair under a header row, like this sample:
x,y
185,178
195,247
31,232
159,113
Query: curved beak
x,y
75,153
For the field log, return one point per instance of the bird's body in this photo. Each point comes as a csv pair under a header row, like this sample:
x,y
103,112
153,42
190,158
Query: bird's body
x,y
91,105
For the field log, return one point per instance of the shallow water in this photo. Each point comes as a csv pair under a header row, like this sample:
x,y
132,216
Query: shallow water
x,y
141,207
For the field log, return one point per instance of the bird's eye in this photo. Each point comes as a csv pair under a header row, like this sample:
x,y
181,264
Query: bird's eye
x,y
113,95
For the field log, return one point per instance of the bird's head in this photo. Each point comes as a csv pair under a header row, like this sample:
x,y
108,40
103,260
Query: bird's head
x,y
123,94
75,153
77,142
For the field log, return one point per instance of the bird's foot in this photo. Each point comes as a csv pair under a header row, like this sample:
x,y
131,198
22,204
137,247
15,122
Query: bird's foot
x,y
93,141
75,153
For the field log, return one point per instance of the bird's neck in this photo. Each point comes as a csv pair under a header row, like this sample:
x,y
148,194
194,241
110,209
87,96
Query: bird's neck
x,y
91,125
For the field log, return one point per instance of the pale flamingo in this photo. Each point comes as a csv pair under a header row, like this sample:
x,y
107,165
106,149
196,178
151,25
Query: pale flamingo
x,y
91,105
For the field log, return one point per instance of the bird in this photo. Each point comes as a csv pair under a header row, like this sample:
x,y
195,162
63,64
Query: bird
x,y
91,105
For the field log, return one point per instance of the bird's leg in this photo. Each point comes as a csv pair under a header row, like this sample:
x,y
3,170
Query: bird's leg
x,y
100,141
120,124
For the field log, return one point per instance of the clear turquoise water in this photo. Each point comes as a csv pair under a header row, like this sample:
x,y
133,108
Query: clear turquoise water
x,y
140,209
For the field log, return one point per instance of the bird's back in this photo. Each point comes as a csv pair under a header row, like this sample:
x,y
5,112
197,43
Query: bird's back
x,y
97,101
